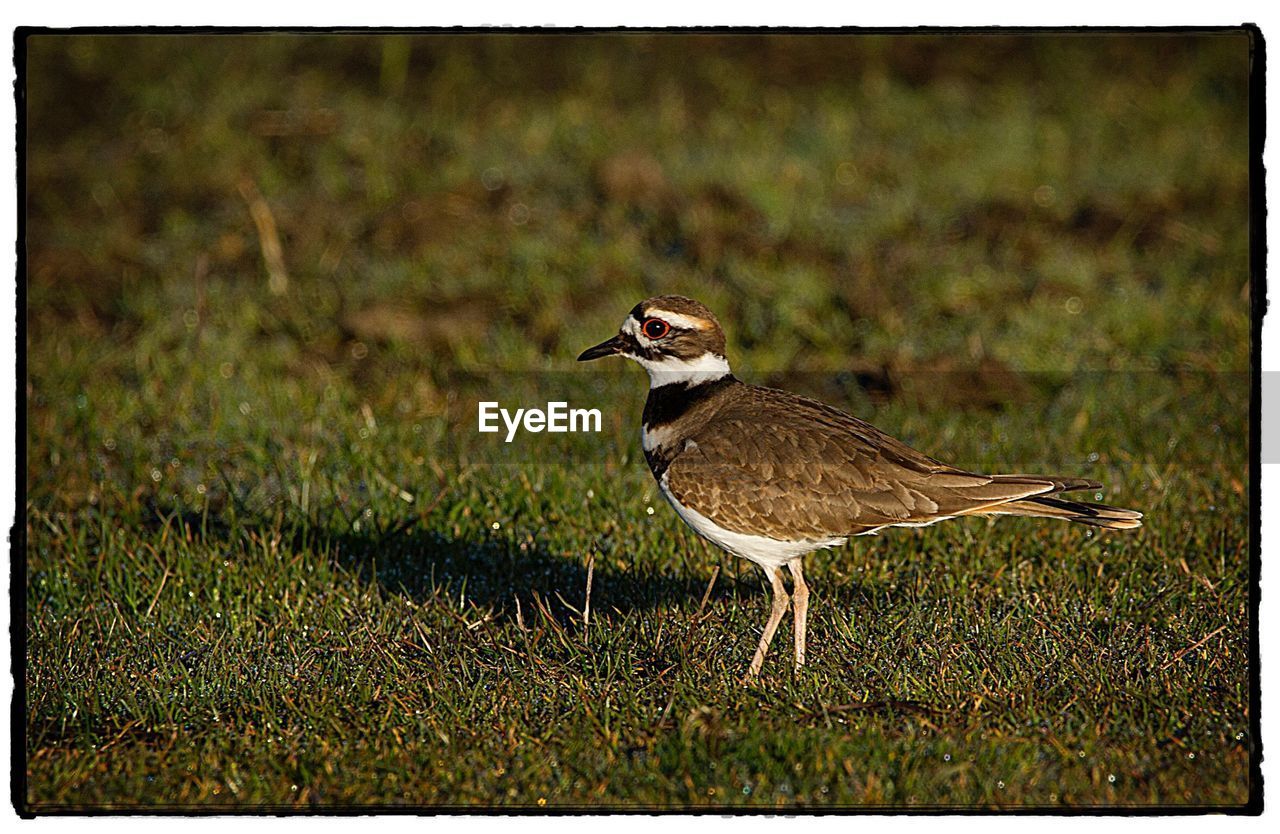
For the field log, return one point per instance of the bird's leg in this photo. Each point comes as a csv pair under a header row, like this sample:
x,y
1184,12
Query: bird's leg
x,y
780,600
800,597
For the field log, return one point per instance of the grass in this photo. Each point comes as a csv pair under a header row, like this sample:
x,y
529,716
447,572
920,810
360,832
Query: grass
x,y
271,564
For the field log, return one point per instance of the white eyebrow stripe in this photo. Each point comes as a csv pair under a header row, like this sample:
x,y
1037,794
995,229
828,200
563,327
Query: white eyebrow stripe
x,y
678,320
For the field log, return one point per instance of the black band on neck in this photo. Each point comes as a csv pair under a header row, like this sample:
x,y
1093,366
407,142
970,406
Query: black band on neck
x,y
668,403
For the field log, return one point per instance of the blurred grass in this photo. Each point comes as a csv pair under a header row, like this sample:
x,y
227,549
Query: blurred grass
x,y
271,563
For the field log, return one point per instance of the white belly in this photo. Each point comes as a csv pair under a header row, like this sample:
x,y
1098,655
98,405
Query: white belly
x,y
762,550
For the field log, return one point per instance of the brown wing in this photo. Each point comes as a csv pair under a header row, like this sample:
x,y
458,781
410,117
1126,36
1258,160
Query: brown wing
x,y
775,464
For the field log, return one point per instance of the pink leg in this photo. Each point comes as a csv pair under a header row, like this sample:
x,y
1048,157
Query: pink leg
x,y
780,601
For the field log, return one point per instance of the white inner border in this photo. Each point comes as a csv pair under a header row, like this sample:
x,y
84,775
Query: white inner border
x,y
678,13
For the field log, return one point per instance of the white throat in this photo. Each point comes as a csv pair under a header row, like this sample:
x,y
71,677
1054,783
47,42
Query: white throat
x,y
669,370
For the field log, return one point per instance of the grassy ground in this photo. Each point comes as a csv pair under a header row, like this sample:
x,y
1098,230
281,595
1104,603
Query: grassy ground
x,y
271,562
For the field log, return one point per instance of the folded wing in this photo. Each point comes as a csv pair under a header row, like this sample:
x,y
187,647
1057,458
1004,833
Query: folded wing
x,y
775,464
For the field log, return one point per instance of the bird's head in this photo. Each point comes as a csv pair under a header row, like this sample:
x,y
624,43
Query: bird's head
x,y
676,339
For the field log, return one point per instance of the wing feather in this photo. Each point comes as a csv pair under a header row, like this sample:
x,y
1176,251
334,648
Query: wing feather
x,y
775,464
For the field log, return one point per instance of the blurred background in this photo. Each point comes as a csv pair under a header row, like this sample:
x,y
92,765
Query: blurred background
x,y
358,219
268,277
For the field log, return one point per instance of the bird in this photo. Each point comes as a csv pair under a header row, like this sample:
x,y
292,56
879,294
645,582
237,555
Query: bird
x,y
771,476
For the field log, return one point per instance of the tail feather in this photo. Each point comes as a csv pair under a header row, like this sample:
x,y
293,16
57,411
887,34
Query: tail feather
x,y
1049,505
1095,515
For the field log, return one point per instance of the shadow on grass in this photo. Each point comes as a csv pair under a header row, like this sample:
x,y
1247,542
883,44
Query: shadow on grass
x,y
488,572
494,573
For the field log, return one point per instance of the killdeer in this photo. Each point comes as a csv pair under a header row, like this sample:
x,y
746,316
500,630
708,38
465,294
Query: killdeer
x,y
770,476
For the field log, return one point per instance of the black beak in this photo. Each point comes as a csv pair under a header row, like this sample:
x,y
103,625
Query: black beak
x,y
609,348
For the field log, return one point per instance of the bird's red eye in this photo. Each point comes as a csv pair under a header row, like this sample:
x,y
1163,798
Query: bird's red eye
x,y
656,328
